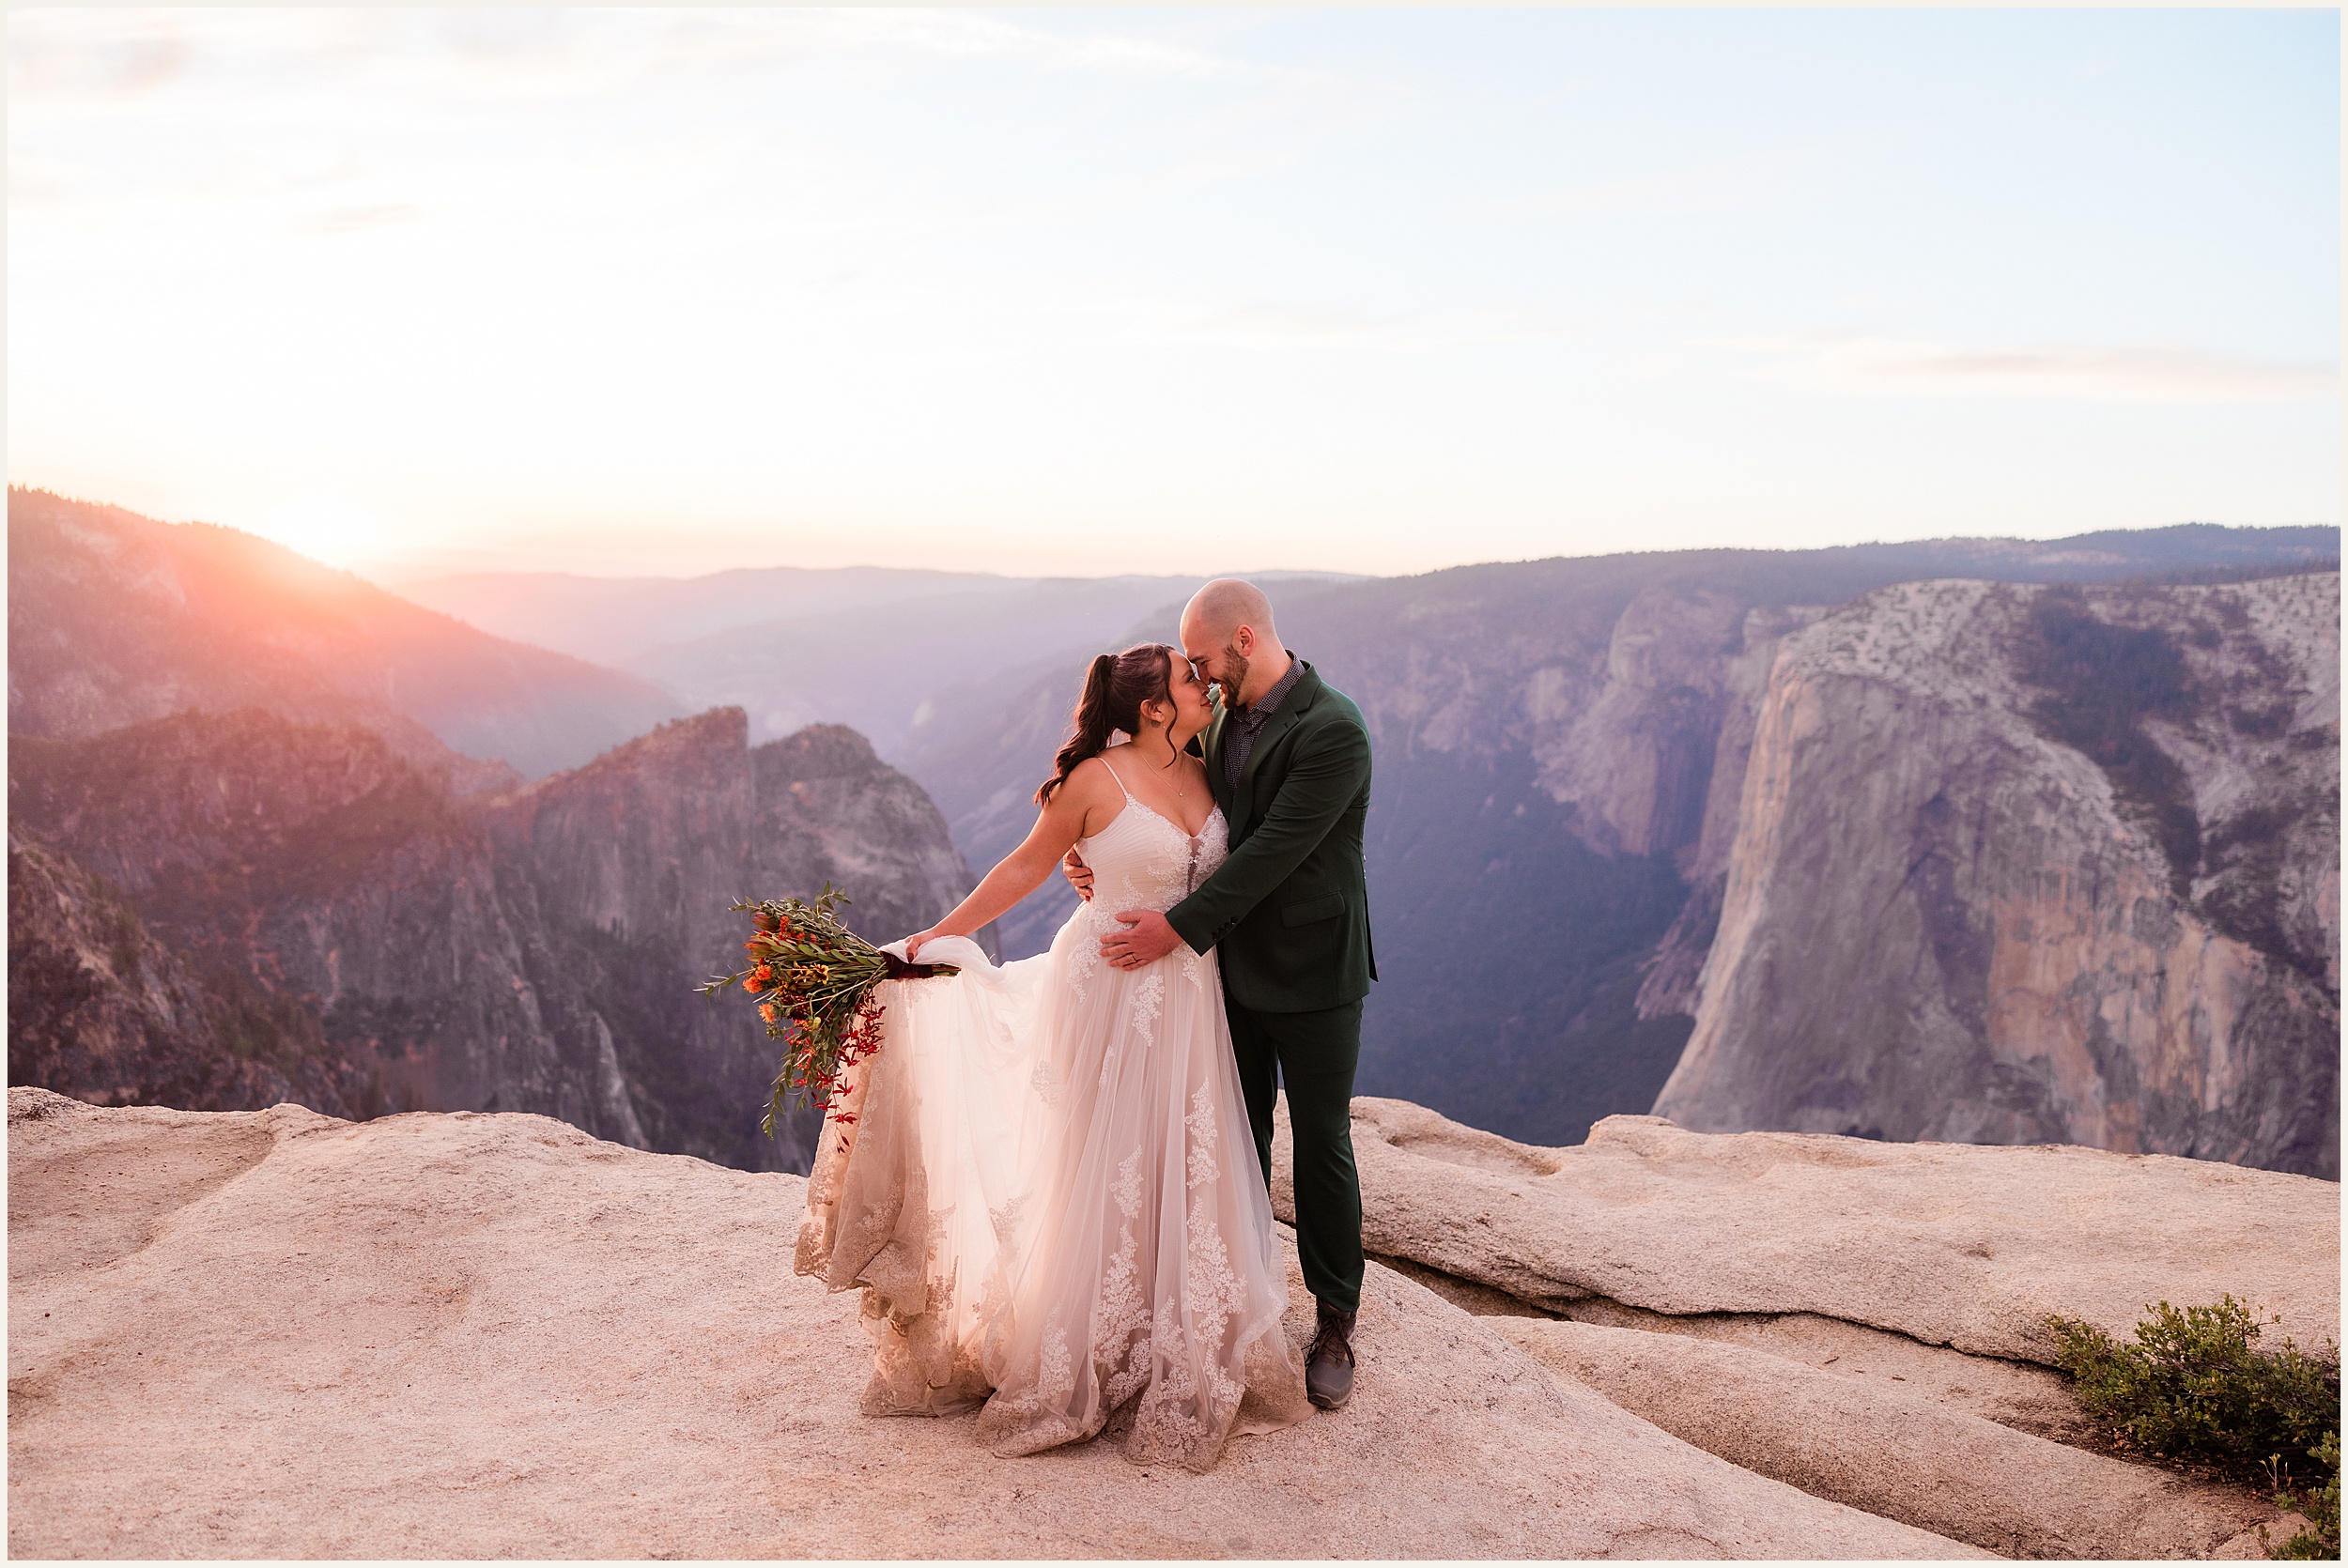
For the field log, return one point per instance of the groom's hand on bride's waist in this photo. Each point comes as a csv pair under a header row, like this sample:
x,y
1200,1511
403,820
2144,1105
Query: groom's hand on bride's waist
x,y
1079,875
1142,937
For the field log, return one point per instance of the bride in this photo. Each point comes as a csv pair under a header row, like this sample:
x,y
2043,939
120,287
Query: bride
x,y
1044,1180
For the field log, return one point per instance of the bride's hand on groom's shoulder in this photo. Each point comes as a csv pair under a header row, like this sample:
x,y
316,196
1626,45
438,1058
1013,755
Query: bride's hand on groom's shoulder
x,y
1079,875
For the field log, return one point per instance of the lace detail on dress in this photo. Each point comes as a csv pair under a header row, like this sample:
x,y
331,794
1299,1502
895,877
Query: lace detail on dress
x,y
1142,1012
1166,1427
1212,1293
1121,1359
1141,860
1193,1401
1200,1124
1058,1373
1127,1192
1085,963
1052,1380
1195,1397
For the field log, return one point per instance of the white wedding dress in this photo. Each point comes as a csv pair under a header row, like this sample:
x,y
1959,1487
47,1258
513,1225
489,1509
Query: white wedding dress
x,y
1049,1192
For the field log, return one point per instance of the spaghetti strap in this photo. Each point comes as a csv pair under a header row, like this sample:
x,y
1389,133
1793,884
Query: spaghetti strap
x,y
1121,780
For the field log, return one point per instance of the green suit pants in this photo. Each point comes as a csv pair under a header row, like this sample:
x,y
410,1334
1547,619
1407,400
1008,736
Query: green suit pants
x,y
1314,1055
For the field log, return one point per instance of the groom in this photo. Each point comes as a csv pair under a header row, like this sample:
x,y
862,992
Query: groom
x,y
1288,756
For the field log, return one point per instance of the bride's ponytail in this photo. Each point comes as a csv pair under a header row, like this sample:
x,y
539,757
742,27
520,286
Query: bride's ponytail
x,y
1115,686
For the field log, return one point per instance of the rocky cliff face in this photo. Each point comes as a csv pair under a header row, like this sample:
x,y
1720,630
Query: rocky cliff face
x,y
115,619
2024,865
317,866
626,868
173,882
95,1000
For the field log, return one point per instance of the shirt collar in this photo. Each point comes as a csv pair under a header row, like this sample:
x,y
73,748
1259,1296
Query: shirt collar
x,y
1272,700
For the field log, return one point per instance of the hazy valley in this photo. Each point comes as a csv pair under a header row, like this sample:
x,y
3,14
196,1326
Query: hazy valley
x,y
890,652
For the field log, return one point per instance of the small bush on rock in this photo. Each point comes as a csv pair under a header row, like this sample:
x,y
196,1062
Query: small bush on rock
x,y
2195,1387
2320,1541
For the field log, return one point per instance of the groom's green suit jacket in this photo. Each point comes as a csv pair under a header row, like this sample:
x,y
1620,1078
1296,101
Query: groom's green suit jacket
x,y
1289,909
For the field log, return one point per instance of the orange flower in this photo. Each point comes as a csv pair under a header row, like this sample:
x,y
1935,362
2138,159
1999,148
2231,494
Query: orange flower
x,y
766,1011
763,974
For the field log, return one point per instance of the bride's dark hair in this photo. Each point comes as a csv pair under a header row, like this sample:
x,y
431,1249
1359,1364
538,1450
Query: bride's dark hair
x,y
1115,686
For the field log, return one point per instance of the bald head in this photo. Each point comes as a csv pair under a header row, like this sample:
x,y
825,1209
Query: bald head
x,y
1229,638
1223,606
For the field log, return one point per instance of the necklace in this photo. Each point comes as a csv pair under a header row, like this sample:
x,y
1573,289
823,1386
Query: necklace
x,y
1174,755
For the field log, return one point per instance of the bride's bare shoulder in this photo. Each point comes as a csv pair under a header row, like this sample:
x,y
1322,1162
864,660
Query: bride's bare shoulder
x,y
1091,780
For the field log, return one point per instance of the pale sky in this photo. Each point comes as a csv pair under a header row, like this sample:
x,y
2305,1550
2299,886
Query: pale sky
x,y
1095,291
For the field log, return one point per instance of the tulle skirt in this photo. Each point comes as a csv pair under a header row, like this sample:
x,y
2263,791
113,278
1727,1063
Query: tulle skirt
x,y
1050,1198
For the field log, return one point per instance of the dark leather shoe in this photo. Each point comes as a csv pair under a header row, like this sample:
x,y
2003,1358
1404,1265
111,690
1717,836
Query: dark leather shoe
x,y
1329,1360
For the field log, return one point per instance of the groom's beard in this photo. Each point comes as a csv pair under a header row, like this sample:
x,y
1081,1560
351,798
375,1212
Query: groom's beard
x,y
1234,679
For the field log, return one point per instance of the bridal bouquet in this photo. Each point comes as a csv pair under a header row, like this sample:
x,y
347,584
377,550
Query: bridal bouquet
x,y
814,982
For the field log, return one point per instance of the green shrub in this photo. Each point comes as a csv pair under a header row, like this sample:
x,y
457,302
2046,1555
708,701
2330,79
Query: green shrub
x,y
2195,1387
2320,1541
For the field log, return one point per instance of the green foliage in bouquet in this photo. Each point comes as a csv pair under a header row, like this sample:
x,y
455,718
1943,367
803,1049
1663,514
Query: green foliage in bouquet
x,y
814,981
2195,1386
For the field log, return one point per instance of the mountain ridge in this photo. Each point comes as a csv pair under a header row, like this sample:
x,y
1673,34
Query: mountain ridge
x,y
115,617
